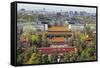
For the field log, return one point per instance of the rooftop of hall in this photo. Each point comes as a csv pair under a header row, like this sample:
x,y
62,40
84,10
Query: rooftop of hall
x,y
58,28
57,39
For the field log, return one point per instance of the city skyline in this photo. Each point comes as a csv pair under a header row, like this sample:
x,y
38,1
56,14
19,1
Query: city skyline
x,y
54,8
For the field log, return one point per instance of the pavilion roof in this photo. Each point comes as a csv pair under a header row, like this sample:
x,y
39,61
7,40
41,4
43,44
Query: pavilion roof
x,y
57,39
58,32
58,28
48,50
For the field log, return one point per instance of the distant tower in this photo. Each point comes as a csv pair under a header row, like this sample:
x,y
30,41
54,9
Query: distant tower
x,y
58,18
43,9
60,10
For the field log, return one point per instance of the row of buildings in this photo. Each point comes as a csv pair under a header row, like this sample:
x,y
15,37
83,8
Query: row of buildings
x,y
64,13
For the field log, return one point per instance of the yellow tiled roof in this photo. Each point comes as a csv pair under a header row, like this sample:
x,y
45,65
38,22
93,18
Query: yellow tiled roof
x,y
57,39
58,28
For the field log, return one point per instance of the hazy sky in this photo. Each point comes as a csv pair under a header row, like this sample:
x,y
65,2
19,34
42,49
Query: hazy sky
x,y
55,8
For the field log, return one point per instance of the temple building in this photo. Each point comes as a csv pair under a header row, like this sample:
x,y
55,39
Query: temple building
x,y
58,37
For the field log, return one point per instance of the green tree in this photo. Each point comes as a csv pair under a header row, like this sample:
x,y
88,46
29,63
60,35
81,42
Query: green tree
x,y
43,39
34,39
34,59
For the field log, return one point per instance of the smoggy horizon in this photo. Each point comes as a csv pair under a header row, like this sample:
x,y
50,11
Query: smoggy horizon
x,y
54,8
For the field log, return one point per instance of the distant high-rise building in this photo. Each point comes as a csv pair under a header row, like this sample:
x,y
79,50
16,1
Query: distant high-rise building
x,y
75,13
